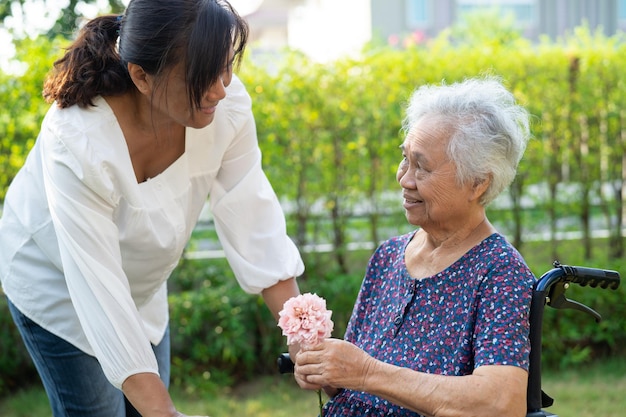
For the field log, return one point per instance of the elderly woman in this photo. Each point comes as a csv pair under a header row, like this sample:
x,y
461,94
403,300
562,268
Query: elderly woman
x,y
440,326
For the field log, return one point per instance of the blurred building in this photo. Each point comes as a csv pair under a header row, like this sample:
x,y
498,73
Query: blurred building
x,y
532,17
326,29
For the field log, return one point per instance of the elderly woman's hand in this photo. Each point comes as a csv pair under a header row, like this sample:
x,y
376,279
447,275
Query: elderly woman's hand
x,y
332,364
335,364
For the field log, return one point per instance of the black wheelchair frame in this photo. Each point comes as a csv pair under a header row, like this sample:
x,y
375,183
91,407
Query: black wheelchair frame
x,y
549,290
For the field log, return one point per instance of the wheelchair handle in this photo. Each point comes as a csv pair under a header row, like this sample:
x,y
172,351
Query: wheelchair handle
x,y
549,290
285,364
581,275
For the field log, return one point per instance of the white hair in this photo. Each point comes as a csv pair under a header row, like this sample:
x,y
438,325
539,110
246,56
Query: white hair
x,y
488,130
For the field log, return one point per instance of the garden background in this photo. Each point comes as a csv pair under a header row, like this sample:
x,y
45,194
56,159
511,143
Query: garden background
x,y
330,133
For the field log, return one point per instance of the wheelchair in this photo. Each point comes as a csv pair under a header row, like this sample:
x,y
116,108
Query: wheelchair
x,y
548,290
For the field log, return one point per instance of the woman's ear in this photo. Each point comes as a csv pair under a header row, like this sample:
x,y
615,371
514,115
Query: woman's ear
x,y
479,187
140,78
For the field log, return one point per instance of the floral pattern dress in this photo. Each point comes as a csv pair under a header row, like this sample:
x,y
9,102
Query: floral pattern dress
x,y
473,313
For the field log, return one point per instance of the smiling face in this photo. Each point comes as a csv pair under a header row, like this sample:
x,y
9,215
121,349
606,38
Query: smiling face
x,y
433,199
169,96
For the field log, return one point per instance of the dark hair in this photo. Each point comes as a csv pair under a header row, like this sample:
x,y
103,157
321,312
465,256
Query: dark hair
x,y
156,35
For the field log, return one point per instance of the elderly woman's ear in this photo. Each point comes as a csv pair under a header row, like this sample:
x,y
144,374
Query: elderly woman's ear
x,y
480,187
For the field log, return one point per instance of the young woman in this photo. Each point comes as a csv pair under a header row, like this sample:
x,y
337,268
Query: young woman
x,y
147,120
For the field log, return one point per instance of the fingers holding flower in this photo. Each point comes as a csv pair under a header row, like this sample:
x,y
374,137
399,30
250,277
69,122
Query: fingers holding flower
x,y
333,363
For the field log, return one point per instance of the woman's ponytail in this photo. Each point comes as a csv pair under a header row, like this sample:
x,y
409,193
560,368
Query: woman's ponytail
x,y
90,67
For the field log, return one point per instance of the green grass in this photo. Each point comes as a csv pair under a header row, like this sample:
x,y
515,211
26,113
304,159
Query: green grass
x,y
269,396
590,391
27,402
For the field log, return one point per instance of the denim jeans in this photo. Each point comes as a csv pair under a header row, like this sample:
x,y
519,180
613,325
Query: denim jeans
x,y
73,380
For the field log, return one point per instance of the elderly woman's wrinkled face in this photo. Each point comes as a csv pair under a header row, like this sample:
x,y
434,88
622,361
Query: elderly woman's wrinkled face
x,y
432,197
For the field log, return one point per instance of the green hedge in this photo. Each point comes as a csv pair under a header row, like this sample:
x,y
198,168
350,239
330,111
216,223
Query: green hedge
x,y
330,133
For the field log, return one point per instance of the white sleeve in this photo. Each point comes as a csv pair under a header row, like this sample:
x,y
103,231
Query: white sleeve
x,y
81,198
248,217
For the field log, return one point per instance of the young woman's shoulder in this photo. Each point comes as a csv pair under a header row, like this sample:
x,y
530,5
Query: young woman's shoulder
x,y
68,123
88,141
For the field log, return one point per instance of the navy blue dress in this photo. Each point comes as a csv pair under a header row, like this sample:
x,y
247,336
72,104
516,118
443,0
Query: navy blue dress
x,y
473,313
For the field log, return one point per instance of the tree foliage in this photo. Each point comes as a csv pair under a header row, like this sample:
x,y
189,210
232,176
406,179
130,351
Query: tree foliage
x,y
68,18
23,104
330,133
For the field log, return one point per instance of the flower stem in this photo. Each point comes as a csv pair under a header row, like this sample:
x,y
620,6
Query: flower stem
x,y
319,397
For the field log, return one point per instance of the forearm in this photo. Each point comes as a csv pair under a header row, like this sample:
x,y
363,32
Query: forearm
x,y
276,295
147,393
450,396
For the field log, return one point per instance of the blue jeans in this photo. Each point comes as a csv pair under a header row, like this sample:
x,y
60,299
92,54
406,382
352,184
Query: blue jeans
x,y
74,381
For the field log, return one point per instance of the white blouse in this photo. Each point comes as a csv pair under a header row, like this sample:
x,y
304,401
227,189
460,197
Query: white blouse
x,y
85,251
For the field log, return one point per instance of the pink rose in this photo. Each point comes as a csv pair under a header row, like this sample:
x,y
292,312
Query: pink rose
x,y
305,320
